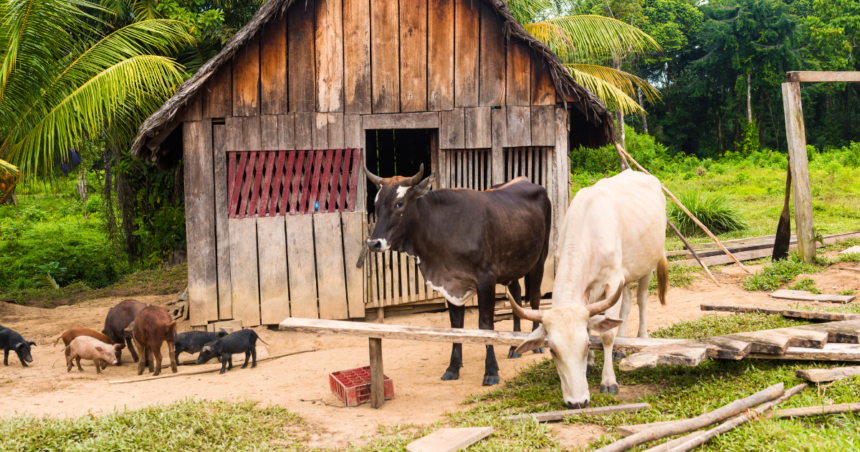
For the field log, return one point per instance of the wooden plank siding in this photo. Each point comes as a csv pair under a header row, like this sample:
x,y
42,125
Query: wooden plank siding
x,y
467,20
302,60
218,93
385,56
356,55
273,67
246,79
518,81
222,231
440,53
492,83
331,281
329,55
413,55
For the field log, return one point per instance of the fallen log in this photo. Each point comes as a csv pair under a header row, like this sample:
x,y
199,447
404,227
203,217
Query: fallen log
x,y
692,251
664,431
551,416
819,375
816,410
698,440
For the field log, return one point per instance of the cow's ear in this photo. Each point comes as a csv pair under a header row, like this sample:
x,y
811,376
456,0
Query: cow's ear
x,y
424,186
601,323
533,341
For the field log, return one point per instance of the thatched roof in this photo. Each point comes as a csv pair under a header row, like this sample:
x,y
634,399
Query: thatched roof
x,y
590,116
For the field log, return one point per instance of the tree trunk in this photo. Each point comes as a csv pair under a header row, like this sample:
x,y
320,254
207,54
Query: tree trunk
x,y
644,117
619,115
749,99
719,133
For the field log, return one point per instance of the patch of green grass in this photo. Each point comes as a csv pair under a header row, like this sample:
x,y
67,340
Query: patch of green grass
x,y
775,274
715,325
806,284
847,292
713,209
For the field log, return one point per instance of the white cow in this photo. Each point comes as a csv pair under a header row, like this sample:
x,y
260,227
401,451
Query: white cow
x,y
614,233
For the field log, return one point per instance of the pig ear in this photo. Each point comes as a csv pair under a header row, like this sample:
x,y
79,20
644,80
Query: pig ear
x,y
19,345
100,348
206,348
117,346
601,323
533,341
33,344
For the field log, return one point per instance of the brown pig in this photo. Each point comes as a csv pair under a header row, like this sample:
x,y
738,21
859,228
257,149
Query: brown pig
x,y
89,348
152,327
69,335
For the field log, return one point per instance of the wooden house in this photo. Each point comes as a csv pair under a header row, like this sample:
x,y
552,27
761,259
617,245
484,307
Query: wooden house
x,y
275,129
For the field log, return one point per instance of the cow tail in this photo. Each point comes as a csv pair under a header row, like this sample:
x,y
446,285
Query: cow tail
x,y
662,279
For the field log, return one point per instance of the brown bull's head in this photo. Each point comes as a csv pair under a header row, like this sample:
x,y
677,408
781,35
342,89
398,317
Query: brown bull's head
x,y
396,207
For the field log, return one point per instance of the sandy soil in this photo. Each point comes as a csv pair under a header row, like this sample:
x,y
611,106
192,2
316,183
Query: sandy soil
x,y
300,382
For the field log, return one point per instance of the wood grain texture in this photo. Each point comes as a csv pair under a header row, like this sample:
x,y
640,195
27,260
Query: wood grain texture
x,y
331,280
218,93
192,110
493,57
329,55
384,56
222,231
273,67
413,55
449,439
302,267
800,188
478,128
804,295
274,283
269,135
356,46
561,169
243,271
352,131
320,131
451,129
518,75
550,416
246,79
335,131
794,313
817,410
426,120
834,374
200,222
467,19
822,76
543,88
500,132
305,123
519,126
543,125
377,377
286,132
440,49
302,59
677,355
830,352
353,243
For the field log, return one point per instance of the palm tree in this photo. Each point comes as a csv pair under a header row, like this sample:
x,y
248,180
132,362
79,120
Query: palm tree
x,y
66,76
9,176
583,42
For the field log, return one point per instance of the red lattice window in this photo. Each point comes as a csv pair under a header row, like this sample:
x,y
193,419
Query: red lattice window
x,y
269,183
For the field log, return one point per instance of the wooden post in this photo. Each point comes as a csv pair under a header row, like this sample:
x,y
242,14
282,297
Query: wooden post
x,y
377,378
796,135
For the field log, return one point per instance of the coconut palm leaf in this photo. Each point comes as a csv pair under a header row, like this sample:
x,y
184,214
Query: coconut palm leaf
x,y
594,38
614,98
624,81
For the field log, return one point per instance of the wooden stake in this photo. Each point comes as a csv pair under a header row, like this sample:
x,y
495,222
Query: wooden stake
x,y
795,133
695,255
678,203
377,378
198,372
751,414
663,431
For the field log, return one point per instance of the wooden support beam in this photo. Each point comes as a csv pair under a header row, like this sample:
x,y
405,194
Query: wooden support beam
x,y
795,132
819,375
817,410
821,76
377,377
551,416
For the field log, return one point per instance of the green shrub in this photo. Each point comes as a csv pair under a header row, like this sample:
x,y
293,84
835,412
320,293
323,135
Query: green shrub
x,y
806,284
712,209
776,274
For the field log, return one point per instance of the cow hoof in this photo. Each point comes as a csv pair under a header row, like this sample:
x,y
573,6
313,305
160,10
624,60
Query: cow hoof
x,y
618,356
539,350
450,376
589,370
611,389
512,353
490,380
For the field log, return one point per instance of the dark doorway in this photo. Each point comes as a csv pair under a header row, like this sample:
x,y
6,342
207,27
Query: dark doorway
x,y
397,153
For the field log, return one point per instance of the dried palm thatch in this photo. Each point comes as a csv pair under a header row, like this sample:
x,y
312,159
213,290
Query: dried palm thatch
x,y
595,121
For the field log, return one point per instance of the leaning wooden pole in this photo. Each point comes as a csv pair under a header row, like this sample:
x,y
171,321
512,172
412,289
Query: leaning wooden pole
x,y
795,133
677,428
695,255
678,203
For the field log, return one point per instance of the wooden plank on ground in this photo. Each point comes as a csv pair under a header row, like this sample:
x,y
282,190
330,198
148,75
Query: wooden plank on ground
x,y
822,76
246,79
449,439
200,222
384,56
816,410
353,243
302,77
518,126
329,55
543,125
820,375
830,352
356,54
492,84
518,80
302,267
218,93
272,252
273,67
767,342
551,416
678,355
793,313
803,295
543,87
243,271
467,20
452,129
478,128
222,231
440,55
331,280
844,332
413,56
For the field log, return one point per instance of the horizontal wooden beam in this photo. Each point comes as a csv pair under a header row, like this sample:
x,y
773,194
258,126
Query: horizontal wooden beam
x,y
793,313
550,416
830,352
819,375
822,76
424,120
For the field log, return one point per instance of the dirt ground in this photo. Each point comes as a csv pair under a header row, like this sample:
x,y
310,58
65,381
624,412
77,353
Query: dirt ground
x,y
300,382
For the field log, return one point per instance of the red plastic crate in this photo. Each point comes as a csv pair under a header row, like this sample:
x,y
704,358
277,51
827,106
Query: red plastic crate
x,y
353,386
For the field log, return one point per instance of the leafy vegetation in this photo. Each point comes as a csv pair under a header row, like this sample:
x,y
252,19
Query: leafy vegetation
x,y
712,209
806,284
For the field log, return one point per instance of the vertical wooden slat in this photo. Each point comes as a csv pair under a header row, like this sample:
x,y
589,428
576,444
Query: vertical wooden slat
x,y
519,126
302,267
331,281
269,133
304,123
440,47
243,271
421,284
218,93
239,175
384,55
258,179
492,84
200,222
352,131
246,187
320,131
375,276
344,181
377,377
276,184
335,131
325,181
382,294
561,172
543,88
274,283
543,125
246,79
266,186
298,178
353,243
451,129
288,182
222,231
518,73
478,128
335,177
273,67
353,180
435,164
405,295
300,38
356,47
329,55
413,55
466,47
286,132
231,179
796,136
192,110
312,177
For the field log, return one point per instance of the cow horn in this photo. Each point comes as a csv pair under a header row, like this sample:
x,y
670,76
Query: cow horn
x,y
525,314
602,306
373,177
417,178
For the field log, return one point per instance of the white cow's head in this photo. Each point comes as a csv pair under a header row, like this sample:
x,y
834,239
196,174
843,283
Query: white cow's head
x,y
566,330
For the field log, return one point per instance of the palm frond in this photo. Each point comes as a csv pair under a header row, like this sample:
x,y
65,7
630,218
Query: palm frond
x,y
598,38
614,98
624,81
553,36
146,9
